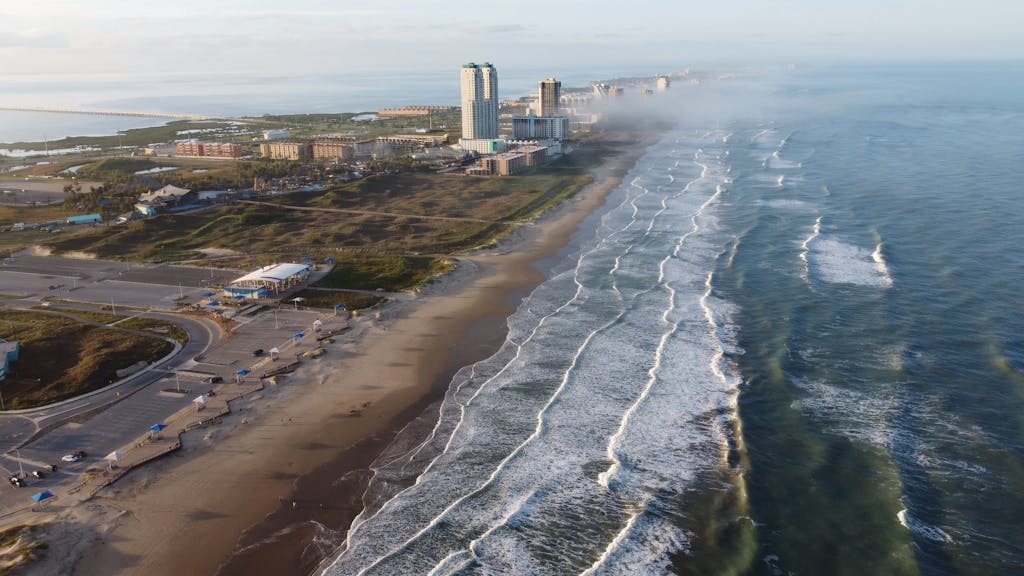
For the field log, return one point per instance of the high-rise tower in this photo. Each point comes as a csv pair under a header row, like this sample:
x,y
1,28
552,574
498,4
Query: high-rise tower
x,y
479,101
550,92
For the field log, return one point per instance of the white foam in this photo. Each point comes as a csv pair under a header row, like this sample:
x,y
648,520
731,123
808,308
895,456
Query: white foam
x,y
805,246
840,262
511,458
919,528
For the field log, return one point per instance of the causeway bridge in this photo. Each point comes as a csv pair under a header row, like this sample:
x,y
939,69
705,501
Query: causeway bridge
x,y
127,113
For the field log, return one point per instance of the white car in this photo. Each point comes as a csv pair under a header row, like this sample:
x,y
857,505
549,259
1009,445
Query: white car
x,y
73,457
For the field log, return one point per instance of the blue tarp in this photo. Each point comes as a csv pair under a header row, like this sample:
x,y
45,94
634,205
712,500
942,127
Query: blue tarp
x,y
157,427
242,372
42,496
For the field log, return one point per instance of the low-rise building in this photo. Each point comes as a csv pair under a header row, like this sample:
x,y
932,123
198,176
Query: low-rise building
x,y
286,150
482,146
503,164
277,134
412,111
268,279
208,149
333,149
168,197
532,127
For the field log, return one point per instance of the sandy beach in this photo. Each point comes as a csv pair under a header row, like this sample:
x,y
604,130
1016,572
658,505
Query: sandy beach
x,y
288,466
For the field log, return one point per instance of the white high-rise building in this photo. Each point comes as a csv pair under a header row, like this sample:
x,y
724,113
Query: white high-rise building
x,y
663,83
479,102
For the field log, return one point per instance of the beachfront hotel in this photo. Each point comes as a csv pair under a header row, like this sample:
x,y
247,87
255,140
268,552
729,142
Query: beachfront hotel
x,y
479,102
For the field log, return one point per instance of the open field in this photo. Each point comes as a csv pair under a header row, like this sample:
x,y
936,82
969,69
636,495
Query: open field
x,y
61,357
266,232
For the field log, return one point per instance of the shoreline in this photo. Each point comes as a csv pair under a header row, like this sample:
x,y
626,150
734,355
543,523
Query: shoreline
x,y
266,477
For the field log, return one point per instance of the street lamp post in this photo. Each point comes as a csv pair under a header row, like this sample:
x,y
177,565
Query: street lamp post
x,y
21,467
177,381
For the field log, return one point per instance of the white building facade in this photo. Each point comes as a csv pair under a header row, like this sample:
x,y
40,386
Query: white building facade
x,y
479,102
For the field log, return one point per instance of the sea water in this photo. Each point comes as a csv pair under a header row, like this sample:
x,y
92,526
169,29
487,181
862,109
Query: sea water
x,y
790,343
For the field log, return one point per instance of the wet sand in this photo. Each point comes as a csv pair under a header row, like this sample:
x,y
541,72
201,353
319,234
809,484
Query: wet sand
x,y
286,470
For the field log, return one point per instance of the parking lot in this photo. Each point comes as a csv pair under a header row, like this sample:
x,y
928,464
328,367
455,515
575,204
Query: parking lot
x,y
105,281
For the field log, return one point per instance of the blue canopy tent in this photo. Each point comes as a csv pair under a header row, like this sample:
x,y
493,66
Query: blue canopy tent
x,y
44,495
241,374
157,427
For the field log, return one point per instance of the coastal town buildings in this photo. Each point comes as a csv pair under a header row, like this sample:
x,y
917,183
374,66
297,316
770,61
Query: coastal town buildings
x,y
663,83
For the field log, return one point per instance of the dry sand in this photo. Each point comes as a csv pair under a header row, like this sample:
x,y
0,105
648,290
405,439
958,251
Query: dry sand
x,y
185,514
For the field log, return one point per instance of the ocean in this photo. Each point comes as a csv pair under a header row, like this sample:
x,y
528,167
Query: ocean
x,y
790,343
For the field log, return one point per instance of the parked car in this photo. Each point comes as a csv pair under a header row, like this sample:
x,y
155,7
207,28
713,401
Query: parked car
x,y
257,352
17,482
74,456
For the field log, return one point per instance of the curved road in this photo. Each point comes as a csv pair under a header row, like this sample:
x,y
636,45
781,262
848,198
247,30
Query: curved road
x,y
43,434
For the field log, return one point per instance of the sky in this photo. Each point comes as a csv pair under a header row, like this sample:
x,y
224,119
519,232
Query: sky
x,y
311,36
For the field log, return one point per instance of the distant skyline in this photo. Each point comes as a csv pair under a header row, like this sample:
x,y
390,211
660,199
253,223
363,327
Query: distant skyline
x,y
310,36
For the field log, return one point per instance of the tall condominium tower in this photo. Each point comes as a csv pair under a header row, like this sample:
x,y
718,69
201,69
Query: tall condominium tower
x,y
479,101
550,92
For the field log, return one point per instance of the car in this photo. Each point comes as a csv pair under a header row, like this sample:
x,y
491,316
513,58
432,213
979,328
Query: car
x,y
257,352
17,482
74,456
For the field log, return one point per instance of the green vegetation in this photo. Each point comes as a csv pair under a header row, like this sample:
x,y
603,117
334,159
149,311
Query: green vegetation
x,y
116,167
329,298
157,327
312,124
61,358
389,231
161,328
390,272
18,548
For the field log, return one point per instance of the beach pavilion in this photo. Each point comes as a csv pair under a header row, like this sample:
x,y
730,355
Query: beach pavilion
x,y
267,280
